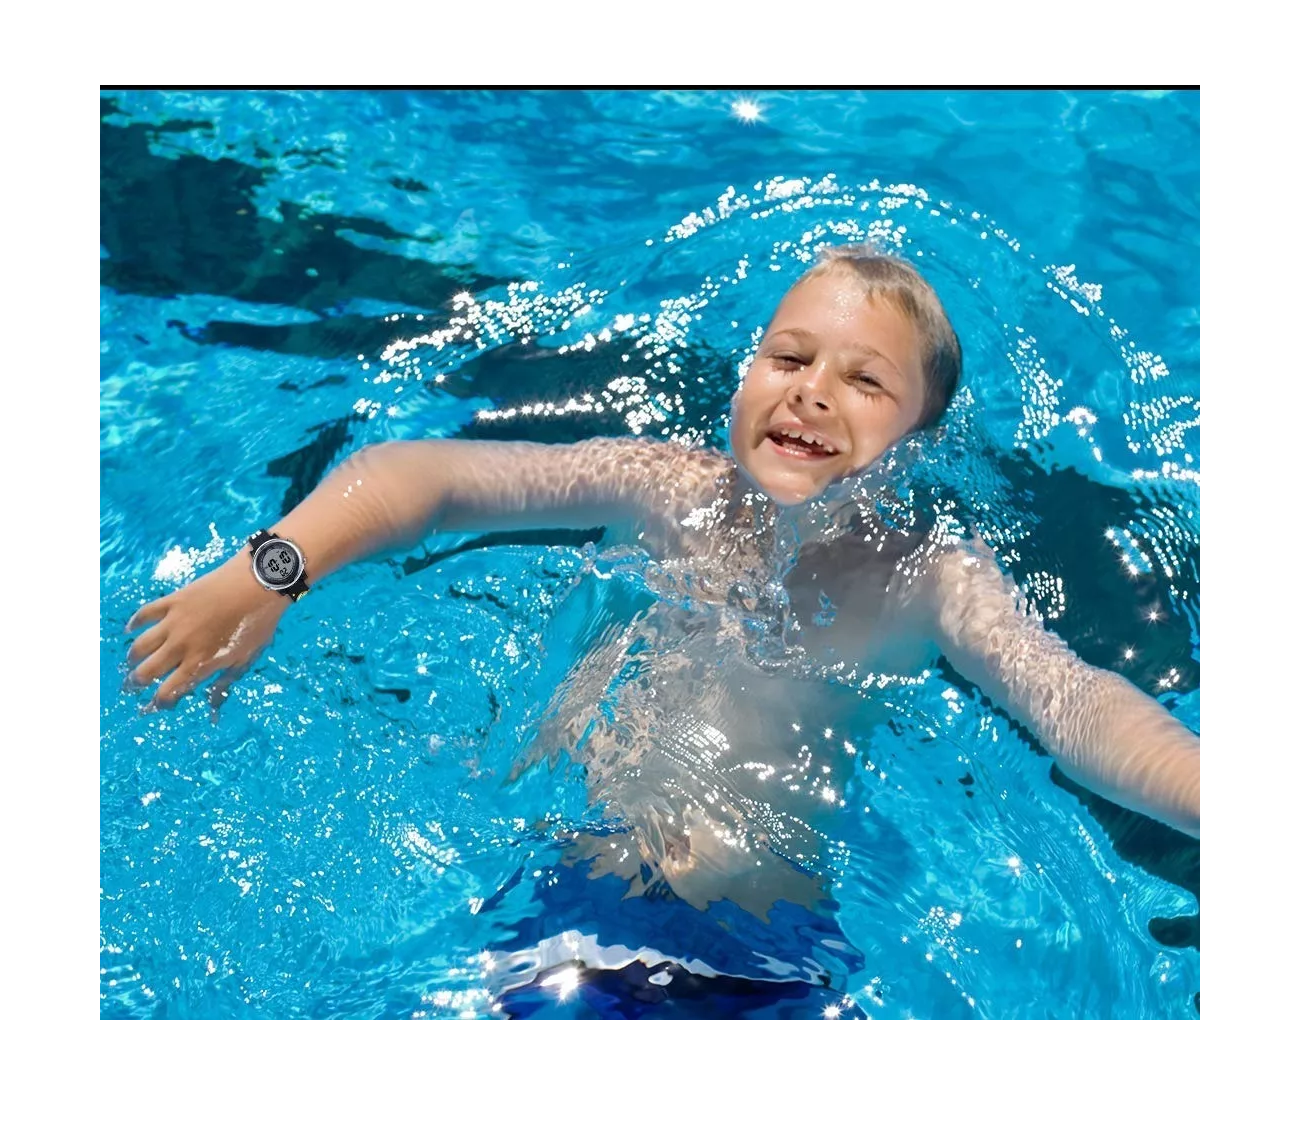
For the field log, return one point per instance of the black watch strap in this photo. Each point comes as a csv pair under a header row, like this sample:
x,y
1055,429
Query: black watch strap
x,y
301,585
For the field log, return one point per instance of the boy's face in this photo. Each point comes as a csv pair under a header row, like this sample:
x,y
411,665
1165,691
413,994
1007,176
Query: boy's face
x,y
836,366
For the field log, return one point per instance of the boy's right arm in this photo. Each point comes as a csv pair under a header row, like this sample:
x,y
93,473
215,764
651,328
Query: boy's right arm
x,y
384,497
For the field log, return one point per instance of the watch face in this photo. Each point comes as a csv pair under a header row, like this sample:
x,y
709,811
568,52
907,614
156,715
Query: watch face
x,y
277,563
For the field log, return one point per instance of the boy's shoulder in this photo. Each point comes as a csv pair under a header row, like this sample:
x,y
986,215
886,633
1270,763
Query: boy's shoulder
x,y
661,480
661,468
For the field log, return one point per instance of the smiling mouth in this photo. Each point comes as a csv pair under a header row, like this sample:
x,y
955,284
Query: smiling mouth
x,y
798,448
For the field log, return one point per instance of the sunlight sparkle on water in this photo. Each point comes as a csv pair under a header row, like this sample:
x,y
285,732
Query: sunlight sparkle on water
x,y
747,110
567,981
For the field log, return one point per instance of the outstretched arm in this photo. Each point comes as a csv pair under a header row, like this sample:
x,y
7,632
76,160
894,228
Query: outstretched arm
x,y
384,497
1103,732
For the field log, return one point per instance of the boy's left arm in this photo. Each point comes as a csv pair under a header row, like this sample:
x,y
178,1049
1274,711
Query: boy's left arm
x,y
1103,732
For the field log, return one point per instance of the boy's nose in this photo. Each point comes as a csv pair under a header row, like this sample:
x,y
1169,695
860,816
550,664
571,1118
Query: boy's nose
x,y
812,390
802,395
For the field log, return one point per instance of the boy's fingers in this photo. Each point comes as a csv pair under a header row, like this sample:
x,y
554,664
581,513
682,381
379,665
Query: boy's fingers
x,y
159,662
149,612
145,644
175,687
226,679
218,693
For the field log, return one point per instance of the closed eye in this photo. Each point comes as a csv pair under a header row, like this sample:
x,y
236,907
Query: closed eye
x,y
789,361
869,383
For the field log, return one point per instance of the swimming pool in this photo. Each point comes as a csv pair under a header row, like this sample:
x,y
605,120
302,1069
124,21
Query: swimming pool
x,y
288,276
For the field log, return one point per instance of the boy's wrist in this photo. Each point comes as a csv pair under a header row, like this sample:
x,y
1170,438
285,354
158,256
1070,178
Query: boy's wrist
x,y
239,571
278,563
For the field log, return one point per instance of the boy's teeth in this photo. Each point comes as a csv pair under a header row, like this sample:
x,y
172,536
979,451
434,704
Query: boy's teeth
x,y
808,440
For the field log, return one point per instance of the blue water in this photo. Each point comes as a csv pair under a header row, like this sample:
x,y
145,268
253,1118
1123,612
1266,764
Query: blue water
x,y
288,276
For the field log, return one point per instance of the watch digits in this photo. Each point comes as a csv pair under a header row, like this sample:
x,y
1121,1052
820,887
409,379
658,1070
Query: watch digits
x,y
278,564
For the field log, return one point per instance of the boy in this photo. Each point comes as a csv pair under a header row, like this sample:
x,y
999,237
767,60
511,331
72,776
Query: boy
x,y
859,355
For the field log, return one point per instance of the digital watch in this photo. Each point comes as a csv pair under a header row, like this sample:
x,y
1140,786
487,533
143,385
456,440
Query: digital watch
x,y
278,564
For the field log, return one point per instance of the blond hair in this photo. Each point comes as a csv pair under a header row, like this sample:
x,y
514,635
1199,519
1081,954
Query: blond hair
x,y
898,283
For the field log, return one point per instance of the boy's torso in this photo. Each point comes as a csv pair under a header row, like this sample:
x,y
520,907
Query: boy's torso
x,y
723,748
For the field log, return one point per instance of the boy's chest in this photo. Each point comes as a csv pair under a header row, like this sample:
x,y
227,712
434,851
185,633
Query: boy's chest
x,y
846,608
851,612
849,607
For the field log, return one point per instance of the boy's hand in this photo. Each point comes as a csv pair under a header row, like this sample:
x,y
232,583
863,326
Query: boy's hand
x,y
217,624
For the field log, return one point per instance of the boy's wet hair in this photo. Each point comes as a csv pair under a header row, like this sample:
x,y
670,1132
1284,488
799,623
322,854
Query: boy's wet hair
x,y
896,281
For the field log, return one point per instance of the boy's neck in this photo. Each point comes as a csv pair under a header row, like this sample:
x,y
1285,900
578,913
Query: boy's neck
x,y
787,527
747,501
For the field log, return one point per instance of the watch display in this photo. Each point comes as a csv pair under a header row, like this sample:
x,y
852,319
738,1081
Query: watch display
x,y
277,564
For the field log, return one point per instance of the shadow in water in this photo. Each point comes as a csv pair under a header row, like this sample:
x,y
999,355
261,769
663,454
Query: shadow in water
x,y
188,225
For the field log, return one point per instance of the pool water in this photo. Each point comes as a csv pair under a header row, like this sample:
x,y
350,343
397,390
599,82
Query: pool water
x,y
368,831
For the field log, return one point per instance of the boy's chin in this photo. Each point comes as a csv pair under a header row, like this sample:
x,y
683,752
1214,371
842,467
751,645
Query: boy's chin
x,y
789,495
784,488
